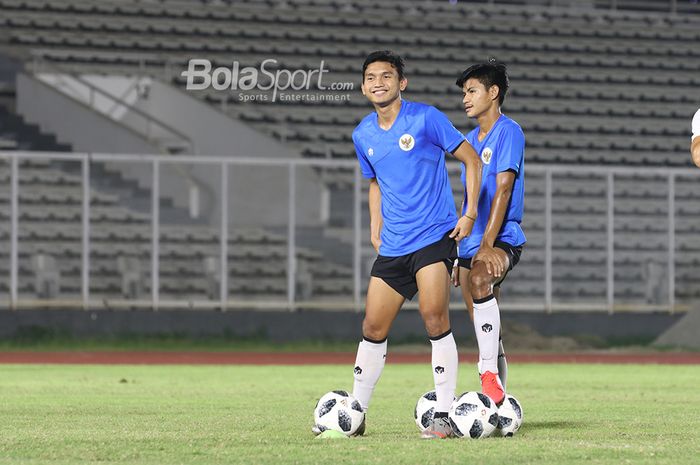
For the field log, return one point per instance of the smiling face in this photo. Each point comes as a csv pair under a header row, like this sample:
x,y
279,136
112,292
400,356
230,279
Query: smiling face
x,y
477,99
381,84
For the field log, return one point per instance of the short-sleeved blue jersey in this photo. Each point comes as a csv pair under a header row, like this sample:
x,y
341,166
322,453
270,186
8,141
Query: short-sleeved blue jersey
x,y
503,149
408,161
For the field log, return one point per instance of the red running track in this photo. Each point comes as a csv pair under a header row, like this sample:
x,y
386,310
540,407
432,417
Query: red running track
x,y
313,358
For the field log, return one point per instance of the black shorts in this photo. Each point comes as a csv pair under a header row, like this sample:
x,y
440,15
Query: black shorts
x,y
400,272
513,259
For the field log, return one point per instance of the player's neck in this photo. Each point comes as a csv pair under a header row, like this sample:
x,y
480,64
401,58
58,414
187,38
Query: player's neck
x,y
487,120
386,115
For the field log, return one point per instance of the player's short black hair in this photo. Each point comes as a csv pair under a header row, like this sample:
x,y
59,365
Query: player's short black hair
x,y
386,56
489,74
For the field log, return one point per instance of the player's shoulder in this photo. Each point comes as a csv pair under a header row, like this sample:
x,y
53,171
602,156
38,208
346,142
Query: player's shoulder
x,y
417,108
509,125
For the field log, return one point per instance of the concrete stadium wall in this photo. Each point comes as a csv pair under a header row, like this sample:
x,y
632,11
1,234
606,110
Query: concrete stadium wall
x,y
279,326
73,122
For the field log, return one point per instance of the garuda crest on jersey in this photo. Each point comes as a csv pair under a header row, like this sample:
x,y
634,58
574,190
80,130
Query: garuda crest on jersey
x,y
406,142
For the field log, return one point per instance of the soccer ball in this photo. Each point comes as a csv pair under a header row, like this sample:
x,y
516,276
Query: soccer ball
x,y
473,415
425,408
510,416
339,411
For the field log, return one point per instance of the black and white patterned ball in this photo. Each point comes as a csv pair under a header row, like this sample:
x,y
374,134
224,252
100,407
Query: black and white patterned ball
x,y
425,408
339,411
473,415
510,416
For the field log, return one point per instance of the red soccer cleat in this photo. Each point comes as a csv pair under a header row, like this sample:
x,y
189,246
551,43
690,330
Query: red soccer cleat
x,y
492,387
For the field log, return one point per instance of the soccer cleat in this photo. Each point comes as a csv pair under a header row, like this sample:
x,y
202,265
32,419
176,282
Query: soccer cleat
x,y
492,387
439,428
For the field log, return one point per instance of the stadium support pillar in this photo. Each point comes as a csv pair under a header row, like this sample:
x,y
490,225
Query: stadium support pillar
x,y
291,238
223,237
85,272
14,218
357,239
671,242
548,242
610,267
155,233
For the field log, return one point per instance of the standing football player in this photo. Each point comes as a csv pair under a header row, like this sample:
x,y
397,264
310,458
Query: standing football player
x,y
695,141
413,225
494,246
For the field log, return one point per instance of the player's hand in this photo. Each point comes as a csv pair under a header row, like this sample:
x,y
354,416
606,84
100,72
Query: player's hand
x,y
455,273
495,263
376,242
462,229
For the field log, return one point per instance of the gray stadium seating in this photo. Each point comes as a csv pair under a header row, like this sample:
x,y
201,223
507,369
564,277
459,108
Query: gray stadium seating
x,y
571,68
590,86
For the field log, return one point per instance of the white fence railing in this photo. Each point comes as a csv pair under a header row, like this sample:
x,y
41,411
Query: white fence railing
x,y
355,237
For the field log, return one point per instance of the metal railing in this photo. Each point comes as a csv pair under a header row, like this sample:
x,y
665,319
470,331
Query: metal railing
x,y
291,302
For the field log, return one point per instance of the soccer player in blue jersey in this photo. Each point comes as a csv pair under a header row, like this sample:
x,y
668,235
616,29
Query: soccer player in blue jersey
x,y
494,246
413,225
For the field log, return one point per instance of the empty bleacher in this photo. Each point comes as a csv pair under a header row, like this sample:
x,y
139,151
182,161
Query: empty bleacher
x,y
50,224
590,85
590,65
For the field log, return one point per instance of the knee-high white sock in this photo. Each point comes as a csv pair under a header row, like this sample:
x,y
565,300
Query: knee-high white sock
x,y
369,365
487,325
502,364
445,363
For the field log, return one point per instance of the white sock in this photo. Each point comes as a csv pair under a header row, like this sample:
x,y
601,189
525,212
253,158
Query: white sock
x,y
502,364
487,325
445,363
369,365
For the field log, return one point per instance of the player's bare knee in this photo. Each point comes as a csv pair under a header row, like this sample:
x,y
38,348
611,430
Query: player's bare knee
x,y
373,330
480,282
436,321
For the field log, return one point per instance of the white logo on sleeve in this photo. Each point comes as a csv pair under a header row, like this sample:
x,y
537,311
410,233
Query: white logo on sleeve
x,y
406,142
486,155
370,152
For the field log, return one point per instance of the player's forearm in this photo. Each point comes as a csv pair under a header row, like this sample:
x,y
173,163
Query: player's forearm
x,y
472,164
695,151
375,209
473,178
499,205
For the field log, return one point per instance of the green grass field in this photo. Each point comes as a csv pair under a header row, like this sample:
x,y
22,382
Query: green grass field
x,y
262,415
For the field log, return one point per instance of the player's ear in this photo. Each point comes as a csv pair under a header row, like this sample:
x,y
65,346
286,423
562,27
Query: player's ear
x,y
494,90
402,84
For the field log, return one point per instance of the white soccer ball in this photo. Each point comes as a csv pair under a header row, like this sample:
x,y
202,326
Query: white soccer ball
x,y
339,411
510,416
425,408
473,415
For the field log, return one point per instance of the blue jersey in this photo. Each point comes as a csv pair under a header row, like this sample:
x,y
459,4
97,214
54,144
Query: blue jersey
x,y
503,149
408,161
